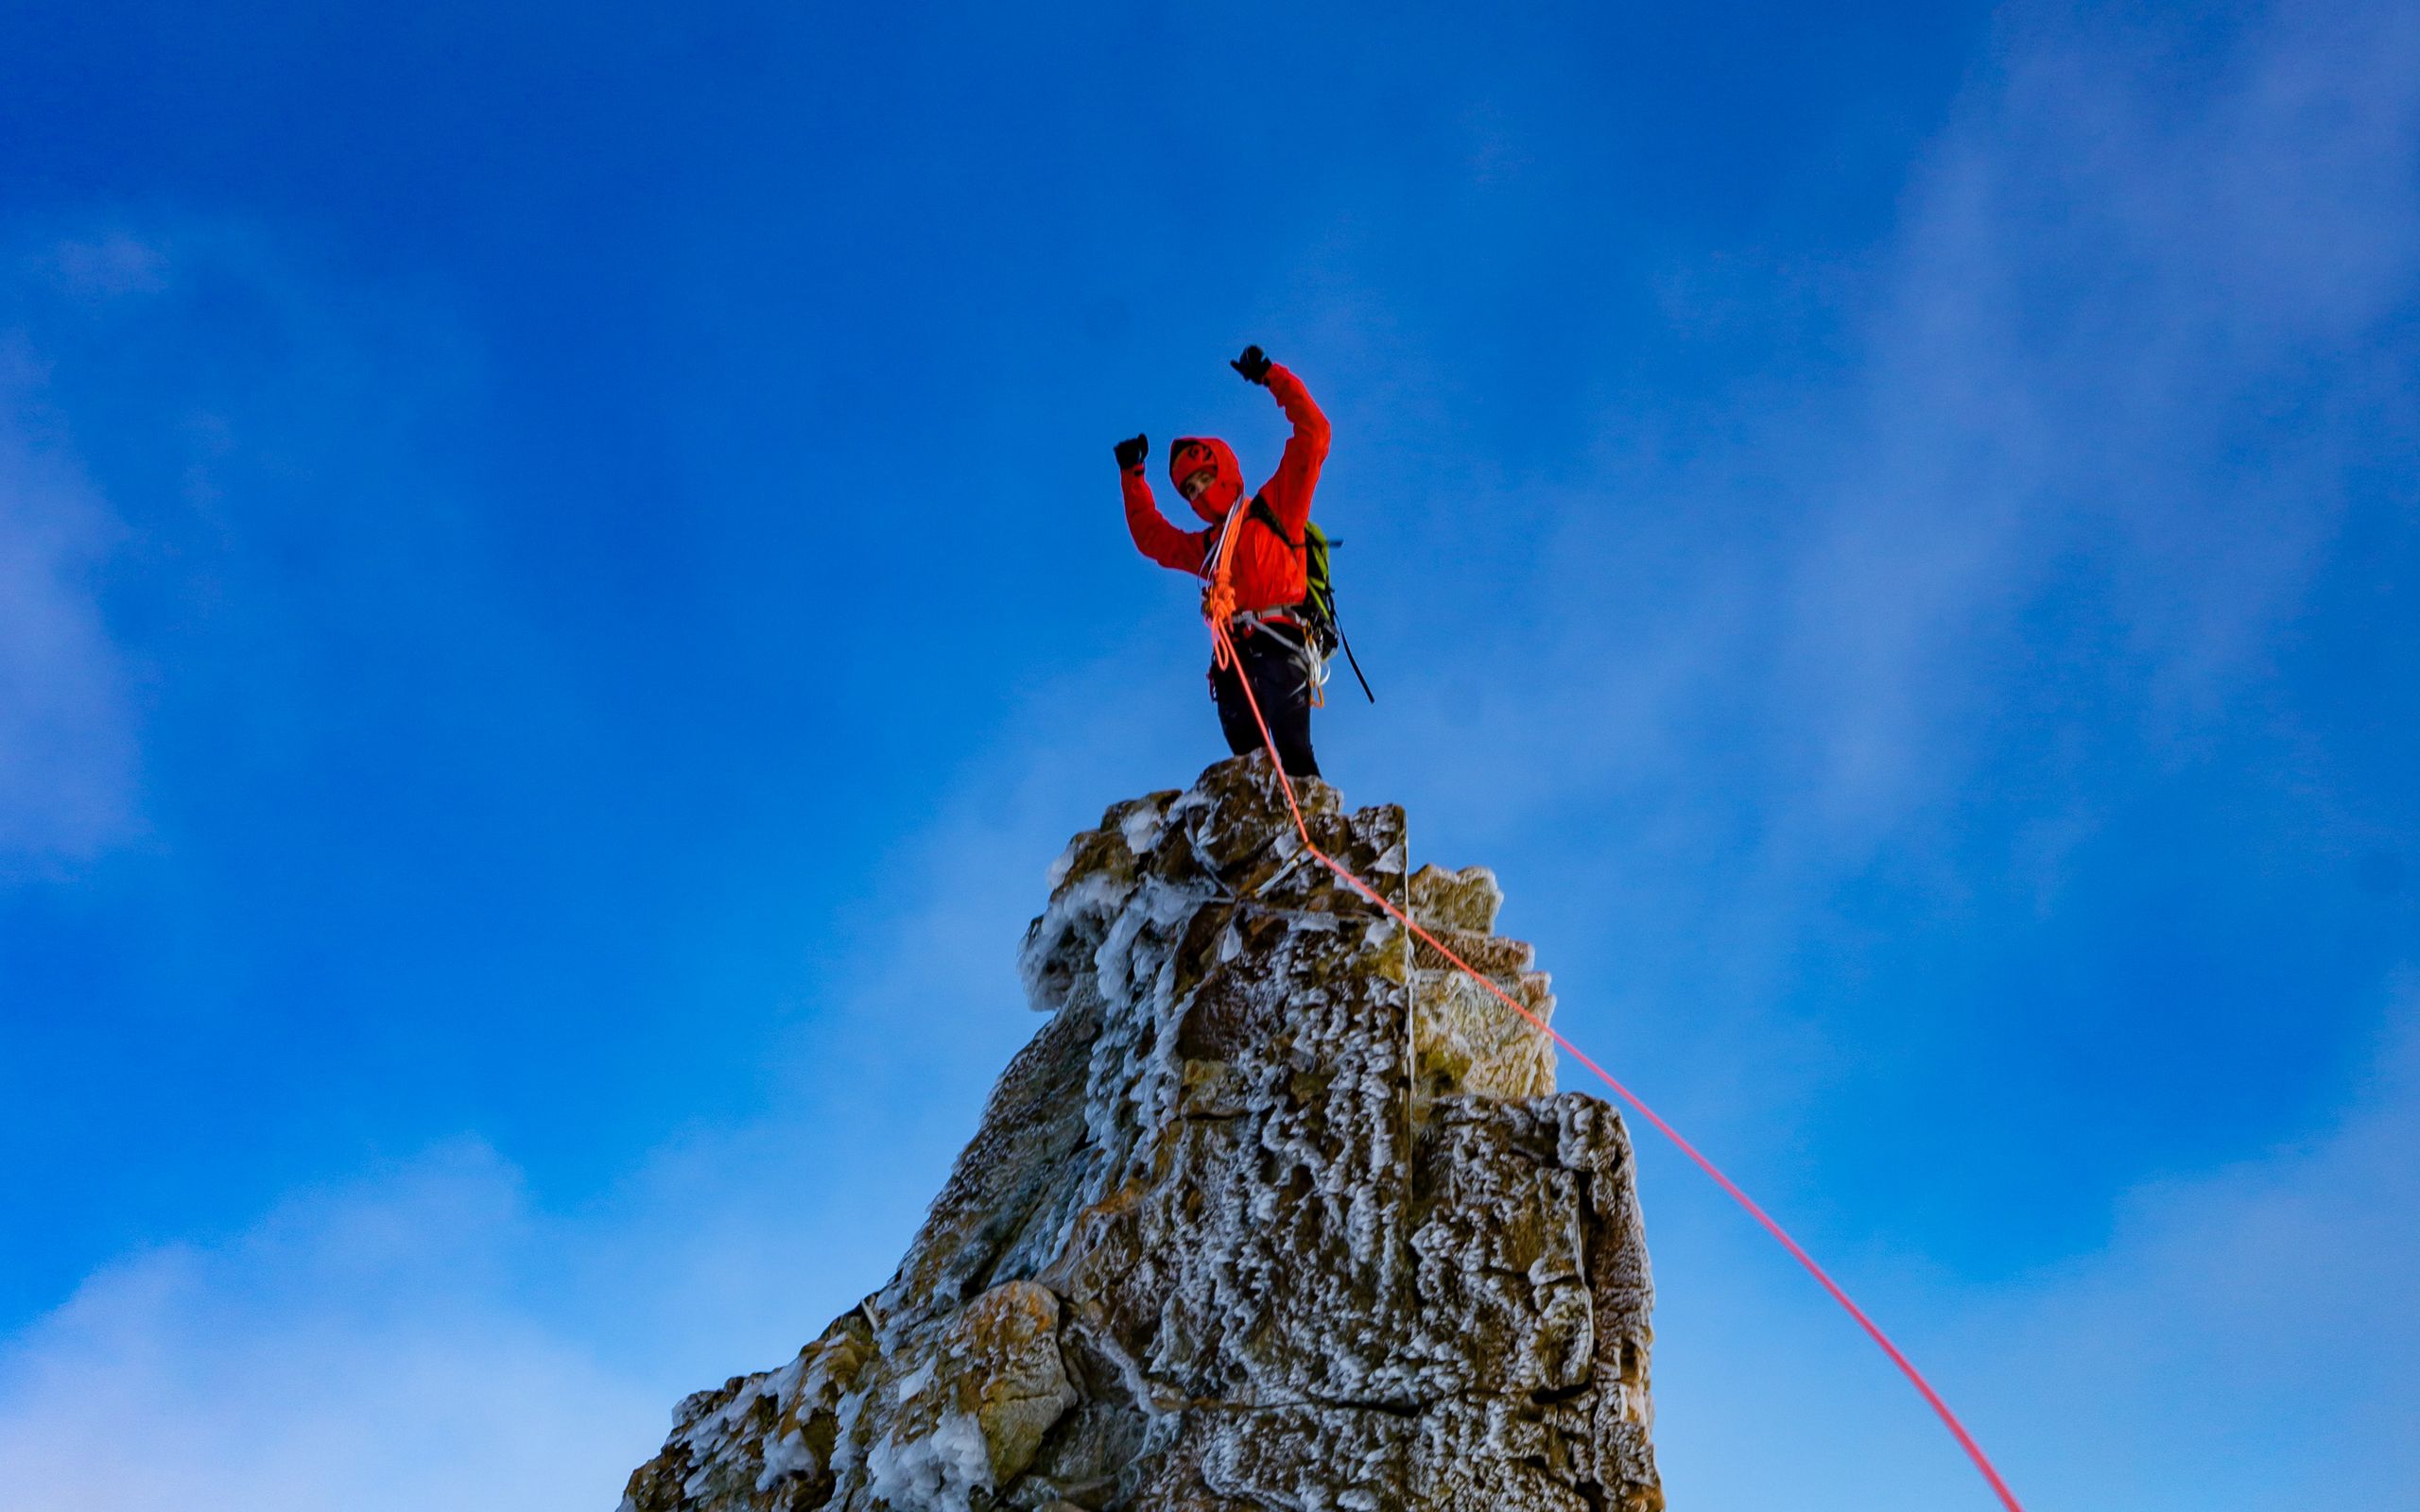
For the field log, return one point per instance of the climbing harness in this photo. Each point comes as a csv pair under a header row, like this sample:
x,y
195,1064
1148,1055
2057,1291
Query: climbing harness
x,y
1302,646
1318,633
1220,596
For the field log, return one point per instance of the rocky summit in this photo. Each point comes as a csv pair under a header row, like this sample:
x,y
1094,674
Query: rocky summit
x,y
1277,1210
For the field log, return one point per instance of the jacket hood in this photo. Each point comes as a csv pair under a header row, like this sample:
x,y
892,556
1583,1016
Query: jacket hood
x,y
1189,455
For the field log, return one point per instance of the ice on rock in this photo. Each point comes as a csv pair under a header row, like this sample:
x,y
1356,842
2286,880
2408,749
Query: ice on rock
x,y
1141,826
1272,1212
941,1470
784,1456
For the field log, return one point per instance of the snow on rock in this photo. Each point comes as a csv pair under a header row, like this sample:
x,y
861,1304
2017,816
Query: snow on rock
x,y
1276,1211
944,1466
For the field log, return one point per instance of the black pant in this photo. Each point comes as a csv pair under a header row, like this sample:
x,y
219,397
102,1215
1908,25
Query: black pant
x,y
1285,694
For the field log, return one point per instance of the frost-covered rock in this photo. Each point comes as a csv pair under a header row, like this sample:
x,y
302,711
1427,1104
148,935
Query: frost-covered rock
x,y
1275,1212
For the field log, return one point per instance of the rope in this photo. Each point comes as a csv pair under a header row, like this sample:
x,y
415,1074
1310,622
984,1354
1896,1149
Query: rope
x,y
1224,654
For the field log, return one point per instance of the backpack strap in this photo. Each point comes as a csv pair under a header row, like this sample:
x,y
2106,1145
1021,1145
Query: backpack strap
x,y
1262,511
1314,659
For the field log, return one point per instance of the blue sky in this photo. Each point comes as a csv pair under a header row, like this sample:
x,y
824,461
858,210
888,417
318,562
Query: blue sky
x,y
560,583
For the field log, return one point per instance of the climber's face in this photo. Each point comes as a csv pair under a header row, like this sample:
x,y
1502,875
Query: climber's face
x,y
1204,471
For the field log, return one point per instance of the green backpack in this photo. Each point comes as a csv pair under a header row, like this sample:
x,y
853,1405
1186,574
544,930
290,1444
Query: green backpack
x,y
1318,608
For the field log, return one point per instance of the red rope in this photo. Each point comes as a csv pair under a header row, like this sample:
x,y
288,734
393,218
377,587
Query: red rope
x,y
1224,655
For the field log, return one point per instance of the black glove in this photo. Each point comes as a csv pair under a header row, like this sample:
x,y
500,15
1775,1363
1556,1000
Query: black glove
x,y
1253,365
1130,453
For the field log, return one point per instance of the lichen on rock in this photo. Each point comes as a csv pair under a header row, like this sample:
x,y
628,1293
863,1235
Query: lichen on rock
x,y
1276,1211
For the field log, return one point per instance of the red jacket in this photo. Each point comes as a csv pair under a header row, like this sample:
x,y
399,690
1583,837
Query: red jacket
x,y
1268,571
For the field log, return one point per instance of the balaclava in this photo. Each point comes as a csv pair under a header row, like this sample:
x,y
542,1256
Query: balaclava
x,y
1189,456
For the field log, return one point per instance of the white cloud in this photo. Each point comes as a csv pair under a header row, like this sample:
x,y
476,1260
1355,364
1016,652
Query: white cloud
x,y
67,722
2110,278
2087,283
2140,325
422,1336
2248,1334
2243,1338
177,410
379,1346
425,1337
2130,339
107,266
2110,390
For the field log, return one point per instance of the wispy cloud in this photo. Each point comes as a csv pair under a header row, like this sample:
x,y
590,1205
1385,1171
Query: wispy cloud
x,y
2107,266
2247,1334
2036,538
428,1336
68,749
2038,543
2242,1338
110,263
2120,265
371,1347
2115,267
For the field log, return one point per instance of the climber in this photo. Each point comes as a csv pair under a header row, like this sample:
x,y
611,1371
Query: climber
x,y
1267,566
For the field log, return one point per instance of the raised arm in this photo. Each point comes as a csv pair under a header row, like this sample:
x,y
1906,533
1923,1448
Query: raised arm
x,y
1153,536
1297,471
